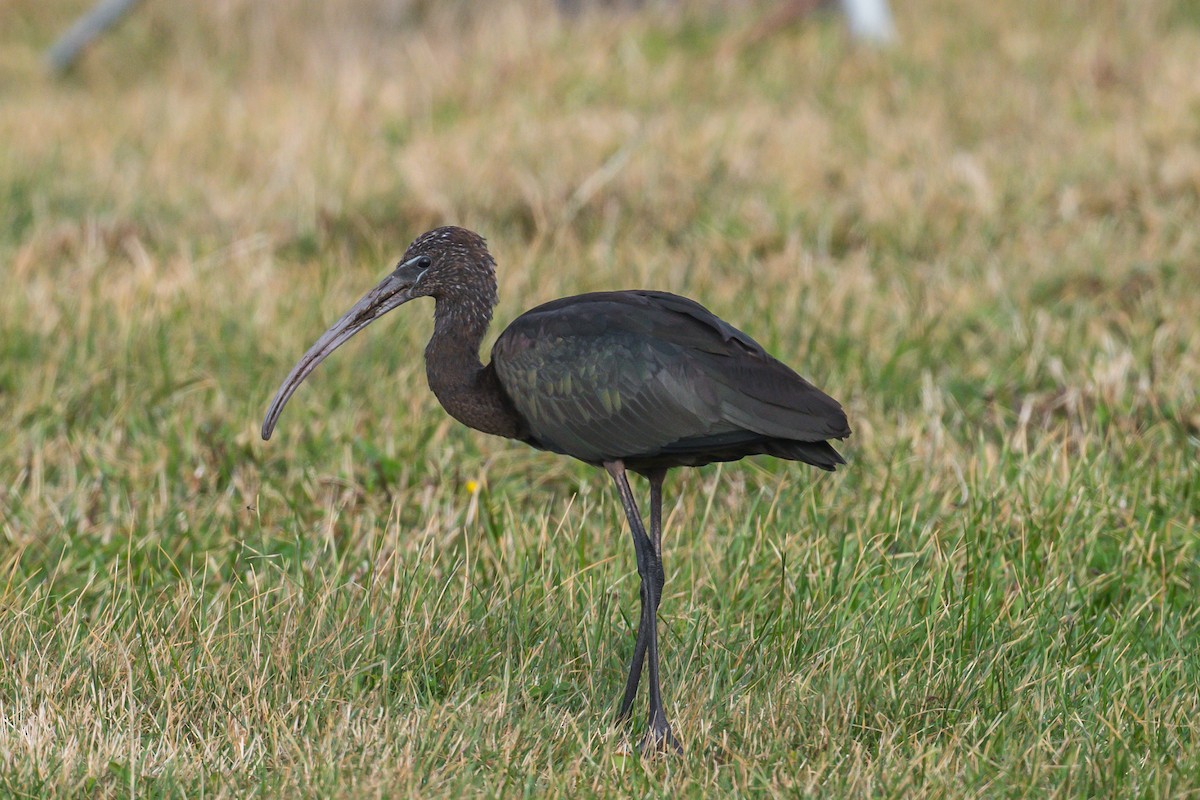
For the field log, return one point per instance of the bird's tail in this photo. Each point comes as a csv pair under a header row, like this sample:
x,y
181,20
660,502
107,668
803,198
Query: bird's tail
x,y
819,454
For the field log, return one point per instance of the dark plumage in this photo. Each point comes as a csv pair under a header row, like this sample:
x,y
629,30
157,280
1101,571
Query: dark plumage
x,y
657,381
635,380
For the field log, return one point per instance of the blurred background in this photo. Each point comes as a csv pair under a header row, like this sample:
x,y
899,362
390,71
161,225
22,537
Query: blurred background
x,y
980,235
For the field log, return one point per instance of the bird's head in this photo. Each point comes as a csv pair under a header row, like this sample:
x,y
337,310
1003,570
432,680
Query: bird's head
x,y
448,261
444,263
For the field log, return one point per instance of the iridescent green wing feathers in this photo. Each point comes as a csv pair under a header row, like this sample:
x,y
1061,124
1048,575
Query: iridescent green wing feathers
x,y
653,375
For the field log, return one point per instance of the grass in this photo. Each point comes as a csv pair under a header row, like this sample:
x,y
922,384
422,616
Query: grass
x,y
983,242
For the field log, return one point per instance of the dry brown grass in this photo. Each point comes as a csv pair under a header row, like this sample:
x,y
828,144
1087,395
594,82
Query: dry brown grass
x,y
983,241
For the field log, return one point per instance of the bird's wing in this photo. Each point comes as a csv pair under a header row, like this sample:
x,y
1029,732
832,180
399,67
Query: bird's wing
x,y
623,374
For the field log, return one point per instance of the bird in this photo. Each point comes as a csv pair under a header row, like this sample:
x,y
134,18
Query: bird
x,y
634,381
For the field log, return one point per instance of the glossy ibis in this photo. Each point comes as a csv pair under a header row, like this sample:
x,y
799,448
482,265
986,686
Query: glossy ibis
x,y
635,381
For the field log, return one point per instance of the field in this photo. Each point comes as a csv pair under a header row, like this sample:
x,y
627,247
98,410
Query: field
x,y
983,241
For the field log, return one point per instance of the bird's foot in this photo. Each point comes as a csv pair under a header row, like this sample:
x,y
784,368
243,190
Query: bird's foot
x,y
659,739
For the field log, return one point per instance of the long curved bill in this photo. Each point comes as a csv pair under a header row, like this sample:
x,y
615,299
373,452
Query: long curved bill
x,y
393,291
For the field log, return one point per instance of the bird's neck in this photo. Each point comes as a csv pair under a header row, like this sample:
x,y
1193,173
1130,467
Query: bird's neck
x,y
469,391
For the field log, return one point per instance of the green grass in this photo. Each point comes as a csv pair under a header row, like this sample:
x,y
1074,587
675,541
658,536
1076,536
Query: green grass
x,y
983,242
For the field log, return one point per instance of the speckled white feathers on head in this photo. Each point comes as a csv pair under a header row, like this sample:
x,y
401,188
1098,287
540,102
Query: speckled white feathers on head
x,y
463,273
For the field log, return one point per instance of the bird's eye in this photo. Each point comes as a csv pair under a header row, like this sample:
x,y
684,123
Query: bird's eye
x,y
424,262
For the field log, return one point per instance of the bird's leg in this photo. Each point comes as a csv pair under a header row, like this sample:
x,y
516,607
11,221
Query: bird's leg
x,y
655,568
659,737
635,666
656,483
